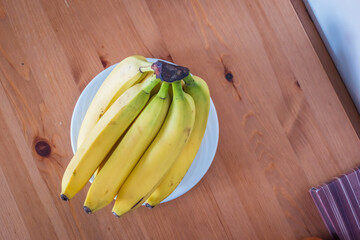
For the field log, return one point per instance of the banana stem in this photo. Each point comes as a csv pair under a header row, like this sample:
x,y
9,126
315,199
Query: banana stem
x,y
189,80
144,69
150,83
177,89
168,72
164,90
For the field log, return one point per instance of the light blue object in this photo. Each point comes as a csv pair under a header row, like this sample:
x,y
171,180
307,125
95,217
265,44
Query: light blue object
x,y
338,22
203,158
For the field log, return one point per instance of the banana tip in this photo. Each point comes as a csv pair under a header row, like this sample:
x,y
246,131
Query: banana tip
x,y
114,213
64,197
87,210
148,205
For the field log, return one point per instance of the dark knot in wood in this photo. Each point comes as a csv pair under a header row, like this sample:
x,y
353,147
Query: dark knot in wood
x,y
42,148
229,76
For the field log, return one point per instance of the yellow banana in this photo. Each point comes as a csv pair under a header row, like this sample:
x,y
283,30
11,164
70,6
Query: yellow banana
x,y
134,143
199,91
103,137
108,155
123,76
153,92
160,155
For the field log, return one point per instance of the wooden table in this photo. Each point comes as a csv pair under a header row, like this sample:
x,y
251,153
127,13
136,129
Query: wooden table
x,y
286,124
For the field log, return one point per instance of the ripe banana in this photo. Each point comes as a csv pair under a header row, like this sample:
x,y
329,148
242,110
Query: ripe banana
x,y
199,91
108,155
103,136
123,76
160,155
153,92
137,139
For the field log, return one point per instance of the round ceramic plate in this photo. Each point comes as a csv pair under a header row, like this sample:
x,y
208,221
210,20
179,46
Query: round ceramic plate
x,y
203,158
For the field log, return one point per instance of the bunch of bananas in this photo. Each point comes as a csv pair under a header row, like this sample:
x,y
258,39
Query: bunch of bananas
x,y
139,136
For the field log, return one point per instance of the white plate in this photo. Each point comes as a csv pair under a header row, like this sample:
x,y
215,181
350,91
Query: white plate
x,y
203,158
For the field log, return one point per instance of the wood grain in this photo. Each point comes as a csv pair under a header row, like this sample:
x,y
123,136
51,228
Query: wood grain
x,y
283,128
328,64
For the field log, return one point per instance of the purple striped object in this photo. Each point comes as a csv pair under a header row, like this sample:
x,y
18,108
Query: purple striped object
x,y
338,204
